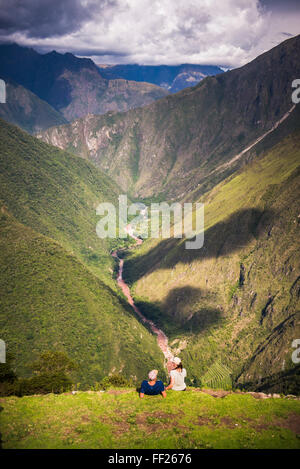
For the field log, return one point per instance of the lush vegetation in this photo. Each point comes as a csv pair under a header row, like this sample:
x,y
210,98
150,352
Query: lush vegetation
x,y
56,194
119,419
229,309
57,286
236,299
52,372
217,376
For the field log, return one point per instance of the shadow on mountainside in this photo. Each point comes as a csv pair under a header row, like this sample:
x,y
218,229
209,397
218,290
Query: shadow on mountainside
x,y
220,240
284,382
175,313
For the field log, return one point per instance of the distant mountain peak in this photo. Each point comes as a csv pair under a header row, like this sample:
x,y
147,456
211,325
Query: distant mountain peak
x,y
161,75
72,85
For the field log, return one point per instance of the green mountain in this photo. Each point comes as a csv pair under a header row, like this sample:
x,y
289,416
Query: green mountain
x,y
56,284
71,85
231,308
193,139
234,302
28,111
56,194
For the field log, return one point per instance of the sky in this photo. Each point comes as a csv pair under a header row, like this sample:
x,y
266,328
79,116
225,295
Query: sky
x,y
229,33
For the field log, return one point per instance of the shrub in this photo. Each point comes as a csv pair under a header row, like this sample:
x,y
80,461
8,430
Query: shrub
x,y
50,376
44,384
6,372
8,388
115,380
53,362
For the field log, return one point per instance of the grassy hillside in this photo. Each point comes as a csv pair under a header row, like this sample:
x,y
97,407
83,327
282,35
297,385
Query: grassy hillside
x,y
174,145
57,290
28,111
116,420
50,301
236,300
56,194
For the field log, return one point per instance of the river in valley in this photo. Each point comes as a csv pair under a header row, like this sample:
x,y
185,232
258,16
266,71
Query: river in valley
x,y
162,339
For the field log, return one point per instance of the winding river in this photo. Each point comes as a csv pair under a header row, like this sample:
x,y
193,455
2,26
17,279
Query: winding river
x,y
162,339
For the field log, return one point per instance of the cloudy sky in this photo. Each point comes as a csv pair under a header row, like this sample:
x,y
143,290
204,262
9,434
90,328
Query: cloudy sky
x,y
217,32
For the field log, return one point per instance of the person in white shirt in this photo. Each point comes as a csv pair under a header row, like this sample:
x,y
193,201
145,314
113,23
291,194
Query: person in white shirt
x,y
177,376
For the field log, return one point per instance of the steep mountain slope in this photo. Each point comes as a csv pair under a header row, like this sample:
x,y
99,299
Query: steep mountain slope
x,y
171,147
49,300
172,77
56,194
56,284
71,85
28,111
89,96
236,300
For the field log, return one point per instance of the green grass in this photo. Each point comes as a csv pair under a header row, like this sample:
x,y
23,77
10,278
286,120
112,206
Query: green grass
x,y
119,419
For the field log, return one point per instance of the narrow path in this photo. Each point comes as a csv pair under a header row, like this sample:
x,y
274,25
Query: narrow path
x,y
223,166
162,339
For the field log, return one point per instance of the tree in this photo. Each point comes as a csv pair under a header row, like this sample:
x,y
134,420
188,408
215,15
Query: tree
x,y
6,372
52,363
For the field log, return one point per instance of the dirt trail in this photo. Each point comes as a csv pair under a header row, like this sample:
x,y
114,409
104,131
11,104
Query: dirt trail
x,y
162,339
223,166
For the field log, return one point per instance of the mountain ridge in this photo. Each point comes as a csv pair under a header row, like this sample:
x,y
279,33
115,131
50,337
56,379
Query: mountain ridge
x,y
172,77
27,110
172,145
71,85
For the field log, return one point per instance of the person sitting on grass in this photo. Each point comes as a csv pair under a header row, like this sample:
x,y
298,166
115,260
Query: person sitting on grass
x,y
177,376
152,387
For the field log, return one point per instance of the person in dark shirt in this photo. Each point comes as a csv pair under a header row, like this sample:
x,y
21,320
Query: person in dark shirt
x,y
153,386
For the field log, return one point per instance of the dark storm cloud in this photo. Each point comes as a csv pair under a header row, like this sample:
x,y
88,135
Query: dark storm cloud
x,y
227,32
82,52
280,5
47,18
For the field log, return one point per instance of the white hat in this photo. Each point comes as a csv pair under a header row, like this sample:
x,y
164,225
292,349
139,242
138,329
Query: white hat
x,y
152,375
176,360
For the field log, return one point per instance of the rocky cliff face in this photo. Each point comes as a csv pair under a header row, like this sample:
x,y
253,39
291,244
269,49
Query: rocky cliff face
x,y
186,79
91,95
